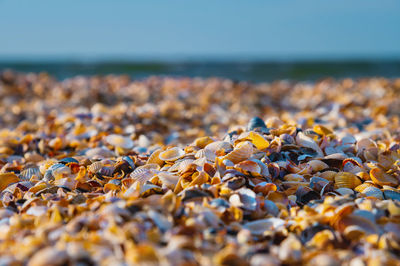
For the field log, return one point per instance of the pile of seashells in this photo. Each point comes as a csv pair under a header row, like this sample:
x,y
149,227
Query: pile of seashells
x,y
103,170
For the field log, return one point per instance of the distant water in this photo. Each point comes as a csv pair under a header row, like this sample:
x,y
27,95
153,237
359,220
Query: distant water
x,y
250,71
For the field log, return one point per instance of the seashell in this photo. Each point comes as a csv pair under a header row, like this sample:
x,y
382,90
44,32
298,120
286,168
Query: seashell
x,y
322,130
249,168
259,227
365,143
66,183
154,158
391,194
99,152
305,194
317,165
242,151
171,154
372,192
271,207
68,160
202,142
147,189
363,186
194,194
394,208
119,141
142,175
129,161
346,180
368,226
95,167
168,179
186,165
27,174
345,191
106,171
255,123
308,142
244,198
6,179
381,178
259,141
113,184
160,221
218,145
328,175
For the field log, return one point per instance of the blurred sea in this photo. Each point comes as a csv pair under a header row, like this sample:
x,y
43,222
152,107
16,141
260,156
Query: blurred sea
x,y
249,71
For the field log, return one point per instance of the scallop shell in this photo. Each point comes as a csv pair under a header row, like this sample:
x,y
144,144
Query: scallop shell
x,y
142,175
154,158
242,151
346,180
95,167
119,141
372,192
27,174
365,143
381,178
364,185
168,179
171,154
317,165
202,142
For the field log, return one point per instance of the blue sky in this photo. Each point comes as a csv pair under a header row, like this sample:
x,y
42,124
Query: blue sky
x,y
275,29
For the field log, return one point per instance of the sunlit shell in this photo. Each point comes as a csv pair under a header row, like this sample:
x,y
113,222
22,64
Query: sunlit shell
x,y
259,141
218,145
368,226
346,180
119,141
202,142
147,189
308,142
381,178
322,130
364,185
68,183
244,198
394,208
171,154
186,165
345,191
241,152
248,167
154,158
328,175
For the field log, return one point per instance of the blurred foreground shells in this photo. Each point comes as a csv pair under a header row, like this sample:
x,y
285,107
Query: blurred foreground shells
x,y
103,170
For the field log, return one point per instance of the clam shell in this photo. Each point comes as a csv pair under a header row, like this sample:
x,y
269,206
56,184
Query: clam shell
x,y
242,151
381,178
202,142
317,165
244,198
154,158
218,145
249,168
119,141
346,180
171,154
363,186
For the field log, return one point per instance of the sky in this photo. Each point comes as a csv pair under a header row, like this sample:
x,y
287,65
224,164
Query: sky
x,y
179,29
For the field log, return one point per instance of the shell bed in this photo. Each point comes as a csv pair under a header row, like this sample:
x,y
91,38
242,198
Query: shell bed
x,y
189,171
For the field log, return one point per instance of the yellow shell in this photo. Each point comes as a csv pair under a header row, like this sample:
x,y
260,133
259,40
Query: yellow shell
x,y
328,175
381,178
154,158
259,141
7,179
346,180
363,186
171,154
241,152
322,130
202,142
249,168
